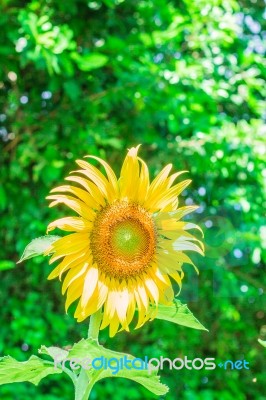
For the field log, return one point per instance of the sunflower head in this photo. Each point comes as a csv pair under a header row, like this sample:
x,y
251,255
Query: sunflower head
x,y
128,243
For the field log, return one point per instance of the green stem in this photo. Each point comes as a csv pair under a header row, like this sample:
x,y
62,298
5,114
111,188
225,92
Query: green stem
x,y
88,391
83,384
71,375
94,327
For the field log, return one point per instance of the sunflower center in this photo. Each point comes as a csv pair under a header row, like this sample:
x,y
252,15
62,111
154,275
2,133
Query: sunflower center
x,y
123,240
128,239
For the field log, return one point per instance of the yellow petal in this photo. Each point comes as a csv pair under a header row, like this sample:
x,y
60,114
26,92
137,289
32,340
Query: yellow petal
x,y
91,307
178,234
74,274
90,187
173,177
159,182
178,279
114,325
103,291
90,283
105,320
167,221
183,244
70,224
122,301
142,310
83,195
189,226
111,301
152,289
143,295
157,275
131,308
73,243
73,293
129,175
110,174
164,198
144,182
69,262
77,205
97,177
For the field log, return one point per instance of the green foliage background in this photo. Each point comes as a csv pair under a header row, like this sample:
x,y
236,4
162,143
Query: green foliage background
x,y
183,78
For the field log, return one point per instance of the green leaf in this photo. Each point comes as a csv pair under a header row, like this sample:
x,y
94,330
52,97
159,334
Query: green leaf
x,y
3,198
32,370
109,3
38,246
90,61
88,349
262,342
72,89
54,352
6,264
179,314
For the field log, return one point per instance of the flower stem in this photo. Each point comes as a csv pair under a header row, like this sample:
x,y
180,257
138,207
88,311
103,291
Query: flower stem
x,y
94,327
84,384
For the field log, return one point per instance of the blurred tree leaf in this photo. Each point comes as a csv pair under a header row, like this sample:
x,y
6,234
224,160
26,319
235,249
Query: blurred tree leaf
x,y
89,62
6,264
3,199
262,342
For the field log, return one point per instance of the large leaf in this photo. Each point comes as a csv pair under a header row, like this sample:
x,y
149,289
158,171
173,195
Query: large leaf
x,y
38,246
89,349
32,370
179,314
56,353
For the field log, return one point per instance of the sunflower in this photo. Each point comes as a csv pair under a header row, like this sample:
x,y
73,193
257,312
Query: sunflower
x,y
127,244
